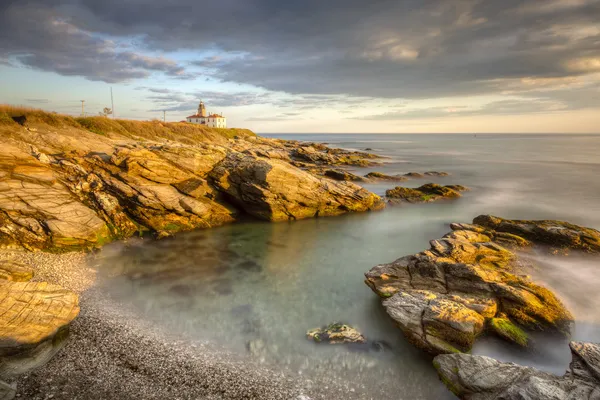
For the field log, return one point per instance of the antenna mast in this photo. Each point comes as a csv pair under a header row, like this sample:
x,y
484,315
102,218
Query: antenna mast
x,y
112,103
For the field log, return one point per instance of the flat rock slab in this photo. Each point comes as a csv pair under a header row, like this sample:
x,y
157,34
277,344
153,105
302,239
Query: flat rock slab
x,y
34,318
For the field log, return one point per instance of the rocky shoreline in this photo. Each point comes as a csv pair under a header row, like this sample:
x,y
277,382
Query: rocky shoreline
x,y
472,282
69,185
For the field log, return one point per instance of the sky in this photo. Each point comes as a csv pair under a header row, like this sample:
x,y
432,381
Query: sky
x,y
331,66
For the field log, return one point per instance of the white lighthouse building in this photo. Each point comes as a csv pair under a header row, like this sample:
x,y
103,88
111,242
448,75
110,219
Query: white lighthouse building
x,y
202,117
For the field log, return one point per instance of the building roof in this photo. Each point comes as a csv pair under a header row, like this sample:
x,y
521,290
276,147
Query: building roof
x,y
210,116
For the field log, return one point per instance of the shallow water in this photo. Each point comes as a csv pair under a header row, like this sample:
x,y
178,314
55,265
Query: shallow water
x,y
256,288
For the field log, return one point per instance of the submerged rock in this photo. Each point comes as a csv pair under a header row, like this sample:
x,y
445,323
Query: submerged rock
x,y
423,194
436,173
336,333
383,177
444,297
482,378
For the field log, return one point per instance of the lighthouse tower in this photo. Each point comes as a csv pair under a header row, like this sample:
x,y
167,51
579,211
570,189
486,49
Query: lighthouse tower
x,y
202,110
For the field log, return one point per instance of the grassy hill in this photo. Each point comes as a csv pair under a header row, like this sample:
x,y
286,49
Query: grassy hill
x,y
12,117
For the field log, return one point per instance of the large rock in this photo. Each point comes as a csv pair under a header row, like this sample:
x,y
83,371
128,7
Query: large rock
x,y
482,378
38,211
275,191
64,187
34,323
444,297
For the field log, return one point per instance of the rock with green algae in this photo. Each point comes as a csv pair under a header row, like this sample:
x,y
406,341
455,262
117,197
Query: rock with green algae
x,y
557,234
506,329
472,377
465,270
336,333
424,194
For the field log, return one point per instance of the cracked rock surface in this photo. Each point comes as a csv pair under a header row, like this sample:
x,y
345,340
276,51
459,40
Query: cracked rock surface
x,y
64,187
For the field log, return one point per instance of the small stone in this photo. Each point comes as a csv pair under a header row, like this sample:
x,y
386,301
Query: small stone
x,y
336,333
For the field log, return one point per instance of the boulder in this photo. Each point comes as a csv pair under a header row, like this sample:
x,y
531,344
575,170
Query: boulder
x,y
34,323
482,378
424,194
336,333
276,191
444,297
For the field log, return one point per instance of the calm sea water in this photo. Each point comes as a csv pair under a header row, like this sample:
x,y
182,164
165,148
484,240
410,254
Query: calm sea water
x,y
255,288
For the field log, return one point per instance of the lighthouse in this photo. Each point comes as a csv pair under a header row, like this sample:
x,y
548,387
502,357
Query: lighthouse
x,y
202,117
201,110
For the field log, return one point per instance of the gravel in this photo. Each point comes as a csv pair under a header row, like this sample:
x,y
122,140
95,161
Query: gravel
x,y
114,354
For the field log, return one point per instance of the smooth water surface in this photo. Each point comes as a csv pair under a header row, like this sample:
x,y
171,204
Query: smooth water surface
x,y
256,287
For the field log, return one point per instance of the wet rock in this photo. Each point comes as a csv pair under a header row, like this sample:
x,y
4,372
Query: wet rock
x,y
482,378
444,297
424,194
383,177
340,175
414,175
336,333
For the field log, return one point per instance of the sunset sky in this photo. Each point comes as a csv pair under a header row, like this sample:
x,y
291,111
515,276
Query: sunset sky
x,y
312,65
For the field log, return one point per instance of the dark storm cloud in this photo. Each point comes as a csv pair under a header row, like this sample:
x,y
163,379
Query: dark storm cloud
x,y
41,38
381,48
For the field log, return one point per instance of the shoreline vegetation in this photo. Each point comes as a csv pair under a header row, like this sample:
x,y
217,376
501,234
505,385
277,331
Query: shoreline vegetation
x,y
71,185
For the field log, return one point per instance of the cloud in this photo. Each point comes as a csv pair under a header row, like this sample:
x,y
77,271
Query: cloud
x,y
38,101
501,107
39,38
341,51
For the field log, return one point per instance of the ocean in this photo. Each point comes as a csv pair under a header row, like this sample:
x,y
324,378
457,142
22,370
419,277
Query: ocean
x,y
255,288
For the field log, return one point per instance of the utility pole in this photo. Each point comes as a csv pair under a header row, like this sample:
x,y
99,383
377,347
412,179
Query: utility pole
x,y
112,103
82,108
164,116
